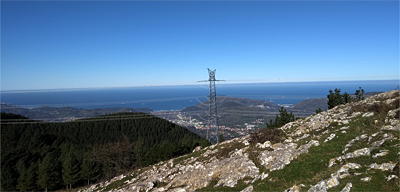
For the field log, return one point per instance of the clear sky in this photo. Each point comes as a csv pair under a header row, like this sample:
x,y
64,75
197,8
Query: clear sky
x,y
86,44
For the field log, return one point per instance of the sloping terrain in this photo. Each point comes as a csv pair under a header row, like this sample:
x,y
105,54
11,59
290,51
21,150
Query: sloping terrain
x,y
352,147
37,155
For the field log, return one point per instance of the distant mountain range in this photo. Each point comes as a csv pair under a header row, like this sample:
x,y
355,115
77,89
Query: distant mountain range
x,y
232,110
47,113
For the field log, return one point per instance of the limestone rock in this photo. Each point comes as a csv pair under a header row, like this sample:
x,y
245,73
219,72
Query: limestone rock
x,y
295,188
324,185
390,177
228,171
366,179
384,166
262,177
381,153
177,190
264,145
368,114
357,153
198,148
347,188
248,189
389,127
283,154
330,137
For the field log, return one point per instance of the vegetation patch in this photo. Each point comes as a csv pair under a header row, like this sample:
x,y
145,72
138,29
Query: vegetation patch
x,y
118,184
272,135
238,187
378,107
224,150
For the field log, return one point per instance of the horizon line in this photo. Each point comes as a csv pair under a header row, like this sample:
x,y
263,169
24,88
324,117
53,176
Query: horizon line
x,y
170,85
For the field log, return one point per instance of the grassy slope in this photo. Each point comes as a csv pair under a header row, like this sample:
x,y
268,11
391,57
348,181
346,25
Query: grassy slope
x,y
311,168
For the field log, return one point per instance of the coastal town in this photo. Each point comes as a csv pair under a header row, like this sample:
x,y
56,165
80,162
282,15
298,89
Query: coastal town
x,y
198,124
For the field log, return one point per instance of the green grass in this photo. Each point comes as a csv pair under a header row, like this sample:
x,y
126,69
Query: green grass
x,y
238,187
312,167
116,184
377,182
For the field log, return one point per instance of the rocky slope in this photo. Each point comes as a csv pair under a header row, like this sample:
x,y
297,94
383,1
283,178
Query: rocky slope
x,y
352,147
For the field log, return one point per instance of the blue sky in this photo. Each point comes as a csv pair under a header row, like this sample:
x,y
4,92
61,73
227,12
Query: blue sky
x,y
86,44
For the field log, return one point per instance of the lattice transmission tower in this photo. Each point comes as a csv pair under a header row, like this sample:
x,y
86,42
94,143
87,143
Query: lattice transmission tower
x,y
213,127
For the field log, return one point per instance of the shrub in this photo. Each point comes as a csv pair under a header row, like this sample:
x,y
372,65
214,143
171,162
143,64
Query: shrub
x,y
262,135
380,107
224,152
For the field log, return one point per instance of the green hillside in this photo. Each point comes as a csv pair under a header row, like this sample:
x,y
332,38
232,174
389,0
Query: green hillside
x,y
38,155
351,147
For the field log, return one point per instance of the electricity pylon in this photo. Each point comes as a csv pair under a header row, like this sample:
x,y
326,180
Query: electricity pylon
x,y
213,127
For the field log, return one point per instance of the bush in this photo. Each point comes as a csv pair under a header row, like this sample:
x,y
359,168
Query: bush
x,y
380,107
262,135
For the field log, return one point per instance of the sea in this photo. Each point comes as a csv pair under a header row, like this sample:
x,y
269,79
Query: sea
x,y
166,98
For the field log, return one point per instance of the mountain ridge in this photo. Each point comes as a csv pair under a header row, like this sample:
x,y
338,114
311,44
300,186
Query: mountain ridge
x,y
352,147
58,114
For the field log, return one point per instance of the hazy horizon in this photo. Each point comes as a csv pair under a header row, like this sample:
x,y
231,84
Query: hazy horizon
x,y
197,84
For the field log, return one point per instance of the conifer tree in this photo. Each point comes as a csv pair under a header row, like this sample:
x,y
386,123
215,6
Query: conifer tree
x,y
282,119
359,94
8,178
89,170
334,99
27,179
347,98
221,138
70,170
139,151
48,172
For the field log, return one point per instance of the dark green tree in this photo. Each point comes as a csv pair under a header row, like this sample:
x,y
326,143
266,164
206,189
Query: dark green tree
x,y
139,151
204,143
221,138
70,170
334,98
48,145
359,94
27,179
89,170
319,110
8,178
281,119
347,98
48,172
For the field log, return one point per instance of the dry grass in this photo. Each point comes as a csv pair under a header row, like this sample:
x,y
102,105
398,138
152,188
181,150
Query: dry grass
x,y
380,107
223,151
272,135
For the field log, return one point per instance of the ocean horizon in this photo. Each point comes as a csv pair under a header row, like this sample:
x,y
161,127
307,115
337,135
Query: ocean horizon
x,y
178,97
